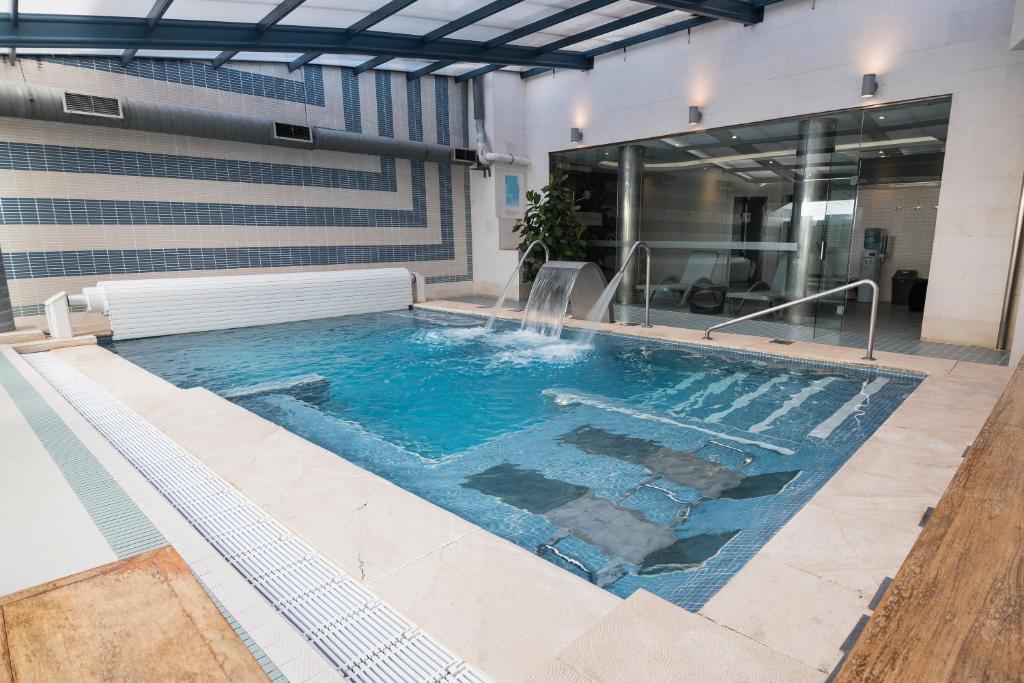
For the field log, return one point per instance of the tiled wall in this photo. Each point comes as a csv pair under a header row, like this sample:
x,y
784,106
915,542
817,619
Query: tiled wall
x,y
80,203
907,214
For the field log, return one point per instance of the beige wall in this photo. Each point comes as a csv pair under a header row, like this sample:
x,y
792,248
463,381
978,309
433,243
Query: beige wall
x,y
809,57
907,213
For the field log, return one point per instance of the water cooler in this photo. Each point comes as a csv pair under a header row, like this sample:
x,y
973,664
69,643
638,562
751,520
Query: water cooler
x,y
871,259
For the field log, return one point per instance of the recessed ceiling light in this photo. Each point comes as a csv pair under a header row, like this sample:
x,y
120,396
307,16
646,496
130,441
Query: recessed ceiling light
x,y
882,117
734,137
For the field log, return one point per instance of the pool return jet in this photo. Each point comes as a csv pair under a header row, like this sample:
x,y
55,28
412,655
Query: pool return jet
x,y
578,287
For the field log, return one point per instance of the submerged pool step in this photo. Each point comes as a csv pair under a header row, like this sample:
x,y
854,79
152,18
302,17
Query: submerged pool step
x,y
364,638
301,385
567,397
761,404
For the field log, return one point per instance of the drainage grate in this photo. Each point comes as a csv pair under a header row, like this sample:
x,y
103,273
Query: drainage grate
x,y
362,636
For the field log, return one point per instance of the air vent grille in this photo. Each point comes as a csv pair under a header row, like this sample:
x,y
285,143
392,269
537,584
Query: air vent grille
x,y
92,105
462,155
290,131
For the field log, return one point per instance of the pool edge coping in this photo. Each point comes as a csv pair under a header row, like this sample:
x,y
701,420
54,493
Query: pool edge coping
x,y
897,364
942,369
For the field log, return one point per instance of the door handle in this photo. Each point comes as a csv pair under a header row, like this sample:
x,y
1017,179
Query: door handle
x,y
821,256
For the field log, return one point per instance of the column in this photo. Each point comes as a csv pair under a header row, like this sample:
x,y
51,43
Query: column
x,y
810,192
627,218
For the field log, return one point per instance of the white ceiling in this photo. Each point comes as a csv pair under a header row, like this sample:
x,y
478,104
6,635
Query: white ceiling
x,y
419,18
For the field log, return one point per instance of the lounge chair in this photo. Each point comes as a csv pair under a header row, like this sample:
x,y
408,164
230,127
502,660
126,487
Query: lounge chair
x,y
772,294
699,265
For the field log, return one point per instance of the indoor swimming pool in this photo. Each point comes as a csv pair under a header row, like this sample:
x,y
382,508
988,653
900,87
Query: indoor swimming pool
x,y
632,463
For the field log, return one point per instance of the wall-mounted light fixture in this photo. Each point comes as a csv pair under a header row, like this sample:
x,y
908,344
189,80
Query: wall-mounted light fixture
x,y
576,134
695,115
868,86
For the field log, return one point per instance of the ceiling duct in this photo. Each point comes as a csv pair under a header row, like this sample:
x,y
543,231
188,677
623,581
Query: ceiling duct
x,y
24,101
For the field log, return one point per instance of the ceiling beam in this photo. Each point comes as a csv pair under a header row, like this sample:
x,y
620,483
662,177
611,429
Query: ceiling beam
x,y
478,72
649,35
466,20
428,69
727,10
369,21
302,60
156,13
607,27
371,64
534,27
633,40
273,16
101,32
640,38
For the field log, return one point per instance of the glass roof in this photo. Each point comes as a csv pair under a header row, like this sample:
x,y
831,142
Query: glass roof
x,y
417,19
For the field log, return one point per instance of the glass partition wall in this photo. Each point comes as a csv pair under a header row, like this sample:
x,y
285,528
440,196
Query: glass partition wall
x,y
747,217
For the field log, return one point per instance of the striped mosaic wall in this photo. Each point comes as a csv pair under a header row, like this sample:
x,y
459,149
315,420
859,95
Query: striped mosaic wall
x,y
79,204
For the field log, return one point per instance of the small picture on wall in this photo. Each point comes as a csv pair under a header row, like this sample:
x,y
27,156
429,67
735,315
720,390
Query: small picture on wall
x,y
512,204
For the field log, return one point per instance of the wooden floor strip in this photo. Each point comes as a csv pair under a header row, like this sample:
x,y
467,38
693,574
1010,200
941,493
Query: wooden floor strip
x,y
955,611
144,618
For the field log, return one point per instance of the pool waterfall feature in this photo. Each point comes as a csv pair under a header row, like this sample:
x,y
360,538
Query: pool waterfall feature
x,y
579,287
563,286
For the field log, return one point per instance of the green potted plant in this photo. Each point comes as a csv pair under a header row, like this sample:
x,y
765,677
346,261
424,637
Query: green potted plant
x,y
552,217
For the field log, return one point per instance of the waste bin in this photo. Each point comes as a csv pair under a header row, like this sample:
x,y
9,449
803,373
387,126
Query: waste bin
x,y
902,281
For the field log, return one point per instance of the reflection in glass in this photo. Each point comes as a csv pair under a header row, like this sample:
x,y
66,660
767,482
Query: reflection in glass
x,y
748,217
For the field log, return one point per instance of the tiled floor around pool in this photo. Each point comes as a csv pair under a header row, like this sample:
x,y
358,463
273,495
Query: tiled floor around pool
x,y
898,331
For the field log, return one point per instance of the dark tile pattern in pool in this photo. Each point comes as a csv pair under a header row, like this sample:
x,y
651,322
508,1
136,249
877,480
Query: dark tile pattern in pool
x,y
637,464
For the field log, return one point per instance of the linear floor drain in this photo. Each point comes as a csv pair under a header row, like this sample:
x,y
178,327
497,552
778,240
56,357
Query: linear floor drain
x,y
363,637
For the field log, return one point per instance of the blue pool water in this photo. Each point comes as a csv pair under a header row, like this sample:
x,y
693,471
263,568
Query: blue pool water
x,y
631,463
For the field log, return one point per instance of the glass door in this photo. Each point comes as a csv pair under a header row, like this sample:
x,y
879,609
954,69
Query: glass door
x,y
833,165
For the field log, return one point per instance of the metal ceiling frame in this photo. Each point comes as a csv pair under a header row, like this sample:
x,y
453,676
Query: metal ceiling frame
x,y
273,16
156,13
20,30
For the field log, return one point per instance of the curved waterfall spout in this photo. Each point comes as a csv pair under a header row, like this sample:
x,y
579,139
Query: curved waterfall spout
x,y
514,279
559,286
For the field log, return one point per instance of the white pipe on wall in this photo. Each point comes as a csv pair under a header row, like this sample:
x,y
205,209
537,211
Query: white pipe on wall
x,y
484,156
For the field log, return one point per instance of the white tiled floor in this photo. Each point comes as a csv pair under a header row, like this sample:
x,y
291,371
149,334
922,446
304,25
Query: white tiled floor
x,y
46,532
49,510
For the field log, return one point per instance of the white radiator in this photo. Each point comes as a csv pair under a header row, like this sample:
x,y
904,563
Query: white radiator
x,y
150,308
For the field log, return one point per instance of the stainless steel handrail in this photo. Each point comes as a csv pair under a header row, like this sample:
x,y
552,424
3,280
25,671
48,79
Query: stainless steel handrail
x,y
547,254
647,281
871,327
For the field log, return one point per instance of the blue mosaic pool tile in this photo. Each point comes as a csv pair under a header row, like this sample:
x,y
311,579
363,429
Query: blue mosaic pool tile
x,y
58,211
385,117
26,265
310,90
350,101
444,136
634,455
20,156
